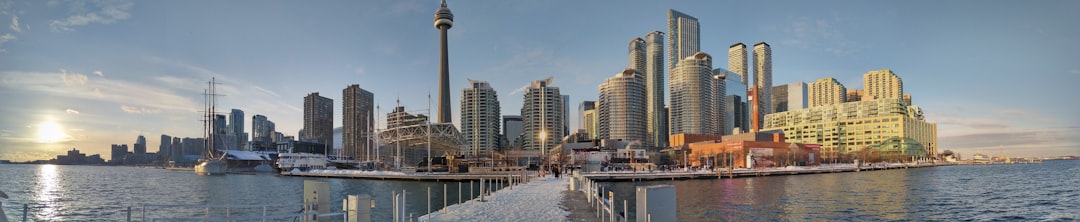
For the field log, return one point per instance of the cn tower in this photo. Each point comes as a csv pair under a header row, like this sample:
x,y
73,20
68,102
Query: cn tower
x,y
443,20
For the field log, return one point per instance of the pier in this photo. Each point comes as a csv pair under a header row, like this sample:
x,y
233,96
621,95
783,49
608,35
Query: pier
x,y
732,173
419,176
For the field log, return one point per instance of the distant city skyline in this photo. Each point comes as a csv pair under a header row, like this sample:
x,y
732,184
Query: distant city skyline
x,y
87,75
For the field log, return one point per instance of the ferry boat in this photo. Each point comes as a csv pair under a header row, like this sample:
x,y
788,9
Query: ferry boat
x,y
300,161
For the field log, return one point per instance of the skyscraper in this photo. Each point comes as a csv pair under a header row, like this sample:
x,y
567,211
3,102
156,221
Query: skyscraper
x,y
542,116
357,115
692,109
882,84
443,21
737,60
587,114
236,128
165,147
763,78
262,133
480,118
787,97
735,111
566,115
511,130
140,146
318,119
637,54
719,88
683,37
221,137
656,125
622,107
826,91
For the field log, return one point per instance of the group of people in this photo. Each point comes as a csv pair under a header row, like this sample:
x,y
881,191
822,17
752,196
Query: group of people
x,y
556,170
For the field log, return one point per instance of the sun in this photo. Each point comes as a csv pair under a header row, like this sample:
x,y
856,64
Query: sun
x,y
49,132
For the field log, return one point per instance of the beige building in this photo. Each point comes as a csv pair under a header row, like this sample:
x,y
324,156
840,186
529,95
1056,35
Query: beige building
x,y
763,77
855,95
692,110
885,125
882,84
737,60
826,91
480,118
622,107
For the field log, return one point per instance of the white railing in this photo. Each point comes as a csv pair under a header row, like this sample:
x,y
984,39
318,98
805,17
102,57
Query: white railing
x,y
605,207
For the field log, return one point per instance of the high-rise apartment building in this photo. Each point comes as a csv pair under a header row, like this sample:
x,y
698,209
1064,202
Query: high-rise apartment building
x,y
318,119
165,147
542,116
357,117
737,61
637,54
692,110
763,78
511,130
566,115
882,84
236,128
789,96
656,125
827,91
622,107
683,37
480,118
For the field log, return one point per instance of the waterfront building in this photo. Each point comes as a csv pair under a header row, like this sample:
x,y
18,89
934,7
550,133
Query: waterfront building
x,y
827,91
737,61
763,78
74,157
880,125
357,118
165,147
511,130
480,113
622,107
656,125
262,131
236,128
443,21
692,107
542,116
882,84
408,138
119,153
318,119
683,37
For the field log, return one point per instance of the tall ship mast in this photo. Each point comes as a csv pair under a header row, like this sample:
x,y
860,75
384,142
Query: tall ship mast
x,y
211,163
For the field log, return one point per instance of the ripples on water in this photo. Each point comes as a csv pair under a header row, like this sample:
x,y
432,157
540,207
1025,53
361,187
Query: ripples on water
x,y
101,193
1033,192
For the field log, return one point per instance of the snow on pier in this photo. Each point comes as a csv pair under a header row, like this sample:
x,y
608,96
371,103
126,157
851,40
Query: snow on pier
x,y
534,201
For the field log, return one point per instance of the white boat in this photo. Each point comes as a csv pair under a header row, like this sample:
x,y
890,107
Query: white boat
x,y
211,167
300,161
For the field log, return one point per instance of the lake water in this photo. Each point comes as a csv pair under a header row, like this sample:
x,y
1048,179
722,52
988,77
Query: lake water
x,y
1023,192
103,193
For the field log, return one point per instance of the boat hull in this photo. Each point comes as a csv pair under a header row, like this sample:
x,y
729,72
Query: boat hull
x,y
211,168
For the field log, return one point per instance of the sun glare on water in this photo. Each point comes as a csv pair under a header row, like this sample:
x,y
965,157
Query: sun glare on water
x,y
49,132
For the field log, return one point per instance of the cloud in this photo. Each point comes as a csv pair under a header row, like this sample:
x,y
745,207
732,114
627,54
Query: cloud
x,y
1025,141
15,24
108,11
5,38
72,111
1012,112
139,110
71,78
817,33
1075,71
359,71
99,73
519,90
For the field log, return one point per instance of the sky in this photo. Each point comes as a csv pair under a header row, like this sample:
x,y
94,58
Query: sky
x,y
996,76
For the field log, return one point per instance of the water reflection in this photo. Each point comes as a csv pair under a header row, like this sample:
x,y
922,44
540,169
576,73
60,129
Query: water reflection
x,y
49,193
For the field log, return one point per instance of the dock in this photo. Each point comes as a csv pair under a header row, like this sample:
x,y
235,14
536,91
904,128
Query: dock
x,y
728,173
418,176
